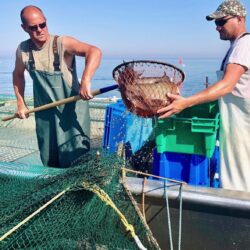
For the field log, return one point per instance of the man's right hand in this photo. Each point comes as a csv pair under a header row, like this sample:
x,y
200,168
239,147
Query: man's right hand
x,y
85,92
178,103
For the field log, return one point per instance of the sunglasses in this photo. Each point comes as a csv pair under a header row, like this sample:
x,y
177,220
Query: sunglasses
x,y
35,27
222,22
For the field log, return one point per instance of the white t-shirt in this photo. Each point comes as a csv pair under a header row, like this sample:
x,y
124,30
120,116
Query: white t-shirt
x,y
240,54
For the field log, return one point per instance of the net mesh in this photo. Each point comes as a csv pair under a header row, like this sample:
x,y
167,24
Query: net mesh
x,y
76,220
49,208
144,85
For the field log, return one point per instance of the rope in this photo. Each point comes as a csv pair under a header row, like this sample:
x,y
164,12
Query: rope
x,y
143,197
180,219
167,202
151,175
169,221
168,214
105,198
33,214
149,233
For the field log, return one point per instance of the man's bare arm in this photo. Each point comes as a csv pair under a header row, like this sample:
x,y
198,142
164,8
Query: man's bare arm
x,y
225,86
92,56
19,86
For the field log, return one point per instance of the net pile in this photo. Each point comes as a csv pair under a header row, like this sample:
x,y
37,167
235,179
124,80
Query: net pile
x,y
144,85
49,208
78,218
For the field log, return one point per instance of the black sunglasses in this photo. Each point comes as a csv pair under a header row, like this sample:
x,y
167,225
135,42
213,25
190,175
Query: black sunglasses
x,y
222,22
35,27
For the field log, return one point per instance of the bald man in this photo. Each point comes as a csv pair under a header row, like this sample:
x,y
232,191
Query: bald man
x,y
62,132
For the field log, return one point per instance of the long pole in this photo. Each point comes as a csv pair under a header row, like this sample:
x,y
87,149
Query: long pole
x,y
63,101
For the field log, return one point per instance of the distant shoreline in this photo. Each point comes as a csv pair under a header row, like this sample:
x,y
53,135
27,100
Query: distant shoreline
x,y
126,57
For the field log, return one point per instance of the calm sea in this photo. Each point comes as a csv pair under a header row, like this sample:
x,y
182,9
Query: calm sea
x,y
196,71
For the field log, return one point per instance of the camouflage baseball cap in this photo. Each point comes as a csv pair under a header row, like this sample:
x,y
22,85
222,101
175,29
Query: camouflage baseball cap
x,y
228,8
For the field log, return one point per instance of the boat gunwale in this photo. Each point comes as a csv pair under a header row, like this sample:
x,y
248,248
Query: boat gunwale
x,y
197,195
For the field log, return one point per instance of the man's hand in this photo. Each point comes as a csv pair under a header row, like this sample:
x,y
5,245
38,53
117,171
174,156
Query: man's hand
x,y
85,92
22,112
178,104
92,56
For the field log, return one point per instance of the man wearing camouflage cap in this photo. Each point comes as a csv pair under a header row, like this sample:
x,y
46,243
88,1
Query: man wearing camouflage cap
x,y
228,8
233,92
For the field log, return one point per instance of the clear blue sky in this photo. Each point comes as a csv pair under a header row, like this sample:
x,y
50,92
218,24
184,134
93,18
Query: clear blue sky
x,y
133,28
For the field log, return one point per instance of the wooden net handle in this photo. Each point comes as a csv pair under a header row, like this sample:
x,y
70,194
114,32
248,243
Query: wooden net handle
x,y
63,101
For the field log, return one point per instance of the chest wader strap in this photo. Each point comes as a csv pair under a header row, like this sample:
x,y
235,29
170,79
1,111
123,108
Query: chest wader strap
x,y
56,62
31,61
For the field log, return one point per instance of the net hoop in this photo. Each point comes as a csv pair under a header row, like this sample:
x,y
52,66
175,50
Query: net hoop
x,y
115,70
145,84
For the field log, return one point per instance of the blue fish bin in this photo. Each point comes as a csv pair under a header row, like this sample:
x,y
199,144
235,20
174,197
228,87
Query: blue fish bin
x,y
190,168
121,126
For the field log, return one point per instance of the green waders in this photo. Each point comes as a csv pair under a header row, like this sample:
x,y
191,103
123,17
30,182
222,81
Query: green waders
x,y
62,132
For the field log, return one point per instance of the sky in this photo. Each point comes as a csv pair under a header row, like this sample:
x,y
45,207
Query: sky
x,y
139,29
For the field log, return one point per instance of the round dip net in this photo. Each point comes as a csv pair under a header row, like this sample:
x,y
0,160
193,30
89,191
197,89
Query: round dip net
x,y
144,85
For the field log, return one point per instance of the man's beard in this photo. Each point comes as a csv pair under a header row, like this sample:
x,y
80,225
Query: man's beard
x,y
225,36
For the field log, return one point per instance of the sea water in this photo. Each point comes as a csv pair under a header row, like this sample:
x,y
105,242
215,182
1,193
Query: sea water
x,y
196,71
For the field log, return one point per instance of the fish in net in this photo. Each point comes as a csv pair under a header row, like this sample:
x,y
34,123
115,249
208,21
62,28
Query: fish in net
x,y
145,85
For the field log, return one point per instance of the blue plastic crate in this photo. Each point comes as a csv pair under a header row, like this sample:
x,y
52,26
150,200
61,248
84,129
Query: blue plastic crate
x,y
122,126
193,169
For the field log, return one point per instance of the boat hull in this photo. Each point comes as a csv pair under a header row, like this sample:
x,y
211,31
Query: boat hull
x,y
211,218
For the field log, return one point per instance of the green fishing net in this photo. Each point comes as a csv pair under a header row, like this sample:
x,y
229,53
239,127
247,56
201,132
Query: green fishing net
x,y
77,218
85,206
